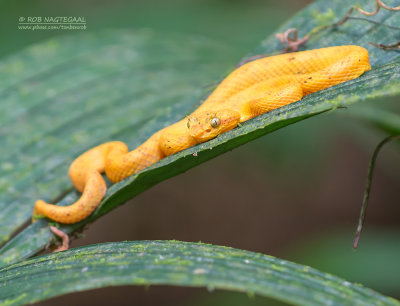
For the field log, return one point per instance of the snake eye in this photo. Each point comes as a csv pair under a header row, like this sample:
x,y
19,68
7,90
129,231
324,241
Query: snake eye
x,y
215,122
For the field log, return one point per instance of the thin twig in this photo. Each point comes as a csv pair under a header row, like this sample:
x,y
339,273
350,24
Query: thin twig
x,y
316,30
348,16
370,13
375,22
64,237
290,40
397,8
379,4
396,45
371,168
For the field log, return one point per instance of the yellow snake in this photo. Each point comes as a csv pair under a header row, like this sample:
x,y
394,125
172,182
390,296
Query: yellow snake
x,y
252,89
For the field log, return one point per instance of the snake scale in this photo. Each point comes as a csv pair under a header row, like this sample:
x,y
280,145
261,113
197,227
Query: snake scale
x,y
252,89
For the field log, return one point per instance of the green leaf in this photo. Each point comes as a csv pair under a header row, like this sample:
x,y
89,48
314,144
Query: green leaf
x,y
177,263
67,95
331,252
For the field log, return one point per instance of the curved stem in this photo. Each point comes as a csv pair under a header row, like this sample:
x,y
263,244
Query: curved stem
x,y
393,9
396,45
371,168
64,238
378,6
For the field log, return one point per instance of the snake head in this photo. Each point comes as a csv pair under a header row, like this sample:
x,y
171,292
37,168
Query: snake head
x,y
206,125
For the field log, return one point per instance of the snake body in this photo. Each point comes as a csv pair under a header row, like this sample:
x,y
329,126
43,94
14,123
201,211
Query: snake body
x,y
252,89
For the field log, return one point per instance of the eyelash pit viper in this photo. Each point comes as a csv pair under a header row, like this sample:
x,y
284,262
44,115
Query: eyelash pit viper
x,y
252,89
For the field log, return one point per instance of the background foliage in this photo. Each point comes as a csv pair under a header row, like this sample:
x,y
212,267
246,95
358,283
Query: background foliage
x,y
295,153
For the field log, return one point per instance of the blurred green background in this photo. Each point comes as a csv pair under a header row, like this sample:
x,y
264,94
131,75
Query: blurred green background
x,y
294,194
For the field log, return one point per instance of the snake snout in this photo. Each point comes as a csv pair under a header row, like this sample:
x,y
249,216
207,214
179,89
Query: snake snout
x,y
206,125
